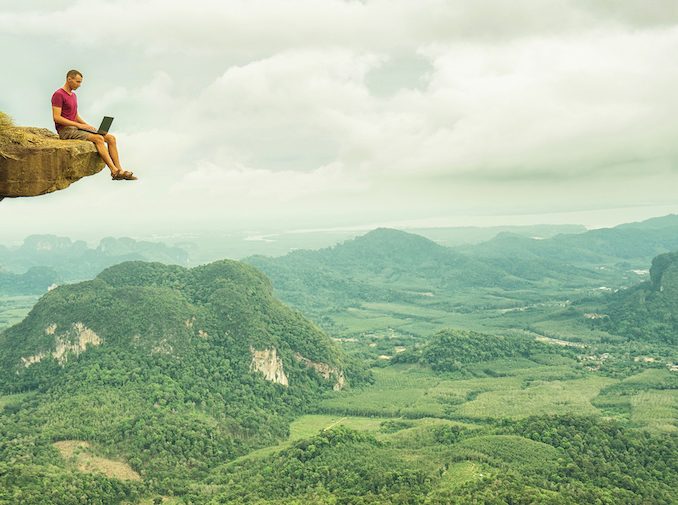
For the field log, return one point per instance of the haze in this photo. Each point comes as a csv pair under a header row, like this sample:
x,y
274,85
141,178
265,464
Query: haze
x,y
265,115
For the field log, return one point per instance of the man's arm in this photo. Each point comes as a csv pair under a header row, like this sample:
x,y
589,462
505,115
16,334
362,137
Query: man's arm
x,y
59,119
87,125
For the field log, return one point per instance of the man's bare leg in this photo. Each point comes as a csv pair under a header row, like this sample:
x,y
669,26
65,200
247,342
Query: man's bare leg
x,y
103,152
113,149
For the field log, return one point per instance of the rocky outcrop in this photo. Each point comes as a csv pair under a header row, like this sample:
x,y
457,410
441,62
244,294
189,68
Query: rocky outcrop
x,y
326,371
72,342
34,161
268,363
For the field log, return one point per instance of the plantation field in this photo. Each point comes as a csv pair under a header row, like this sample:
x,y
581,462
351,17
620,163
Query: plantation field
x,y
80,455
657,410
647,399
307,426
380,330
545,398
421,319
14,308
166,500
310,425
461,473
11,399
525,388
512,449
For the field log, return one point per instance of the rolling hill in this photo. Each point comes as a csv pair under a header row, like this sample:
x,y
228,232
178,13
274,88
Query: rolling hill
x,y
648,311
633,244
170,370
391,265
74,260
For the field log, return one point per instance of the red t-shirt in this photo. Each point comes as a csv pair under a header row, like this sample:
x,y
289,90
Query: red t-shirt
x,y
68,104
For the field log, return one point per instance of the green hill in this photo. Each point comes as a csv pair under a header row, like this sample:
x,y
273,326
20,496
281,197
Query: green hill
x,y
648,311
35,281
170,370
546,459
395,266
73,260
453,350
631,243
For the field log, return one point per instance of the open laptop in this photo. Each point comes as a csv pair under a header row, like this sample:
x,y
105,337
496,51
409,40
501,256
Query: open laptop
x,y
103,129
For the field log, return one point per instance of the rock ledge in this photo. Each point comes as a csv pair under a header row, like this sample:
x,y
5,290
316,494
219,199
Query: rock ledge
x,y
34,161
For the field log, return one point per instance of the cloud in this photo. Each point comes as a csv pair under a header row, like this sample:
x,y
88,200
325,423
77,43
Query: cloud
x,y
245,187
250,28
396,107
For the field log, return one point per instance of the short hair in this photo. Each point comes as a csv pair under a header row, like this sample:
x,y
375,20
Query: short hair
x,y
73,73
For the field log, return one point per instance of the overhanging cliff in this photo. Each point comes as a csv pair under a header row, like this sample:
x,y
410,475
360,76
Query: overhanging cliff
x,y
34,161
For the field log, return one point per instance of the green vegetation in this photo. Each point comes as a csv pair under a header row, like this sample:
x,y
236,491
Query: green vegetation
x,y
545,459
57,259
14,308
648,311
396,267
452,350
488,383
165,383
33,282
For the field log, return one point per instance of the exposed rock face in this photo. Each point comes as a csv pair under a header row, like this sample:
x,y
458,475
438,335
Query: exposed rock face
x,y
325,370
268,363
72,342
664,274
34,161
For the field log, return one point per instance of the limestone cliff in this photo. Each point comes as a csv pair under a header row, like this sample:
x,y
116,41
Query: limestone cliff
x,y
326,371
269,363
72,342
34,161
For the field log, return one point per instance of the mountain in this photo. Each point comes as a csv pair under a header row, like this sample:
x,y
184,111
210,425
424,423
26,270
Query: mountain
x,y
170,370
75,261
632,244
392,265
460,235
35,281
451,350
648,311
383,264
654,223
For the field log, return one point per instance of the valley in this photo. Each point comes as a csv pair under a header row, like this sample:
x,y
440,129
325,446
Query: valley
x,y
411,375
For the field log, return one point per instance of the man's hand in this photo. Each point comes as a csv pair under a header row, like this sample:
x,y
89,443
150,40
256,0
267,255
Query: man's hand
x,y
85,126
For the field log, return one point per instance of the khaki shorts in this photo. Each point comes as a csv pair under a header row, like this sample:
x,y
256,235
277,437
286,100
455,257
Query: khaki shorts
x,y
72,133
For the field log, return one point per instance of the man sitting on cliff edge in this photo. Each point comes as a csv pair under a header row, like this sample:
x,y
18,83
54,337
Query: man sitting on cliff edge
x,y
70,125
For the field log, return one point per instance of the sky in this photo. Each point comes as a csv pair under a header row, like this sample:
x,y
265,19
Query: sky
x,y
268,115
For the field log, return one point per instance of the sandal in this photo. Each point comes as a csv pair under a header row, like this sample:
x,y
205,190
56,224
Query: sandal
x,y
124,176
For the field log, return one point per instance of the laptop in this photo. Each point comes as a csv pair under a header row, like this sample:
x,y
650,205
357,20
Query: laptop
x,y
103,129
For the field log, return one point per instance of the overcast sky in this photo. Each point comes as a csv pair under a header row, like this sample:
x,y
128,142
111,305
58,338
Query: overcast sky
x,y
288,114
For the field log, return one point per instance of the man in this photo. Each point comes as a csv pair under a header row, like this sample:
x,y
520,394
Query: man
x,y
70,125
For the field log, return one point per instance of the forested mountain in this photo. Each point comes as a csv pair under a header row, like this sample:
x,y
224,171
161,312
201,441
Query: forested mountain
x,y
631,243
75,261
460,235
172,370
210,390
35,281
554,460
648,311
392,265
451,350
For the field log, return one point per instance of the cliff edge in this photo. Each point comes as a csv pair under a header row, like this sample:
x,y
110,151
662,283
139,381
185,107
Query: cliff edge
x,y
34,161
